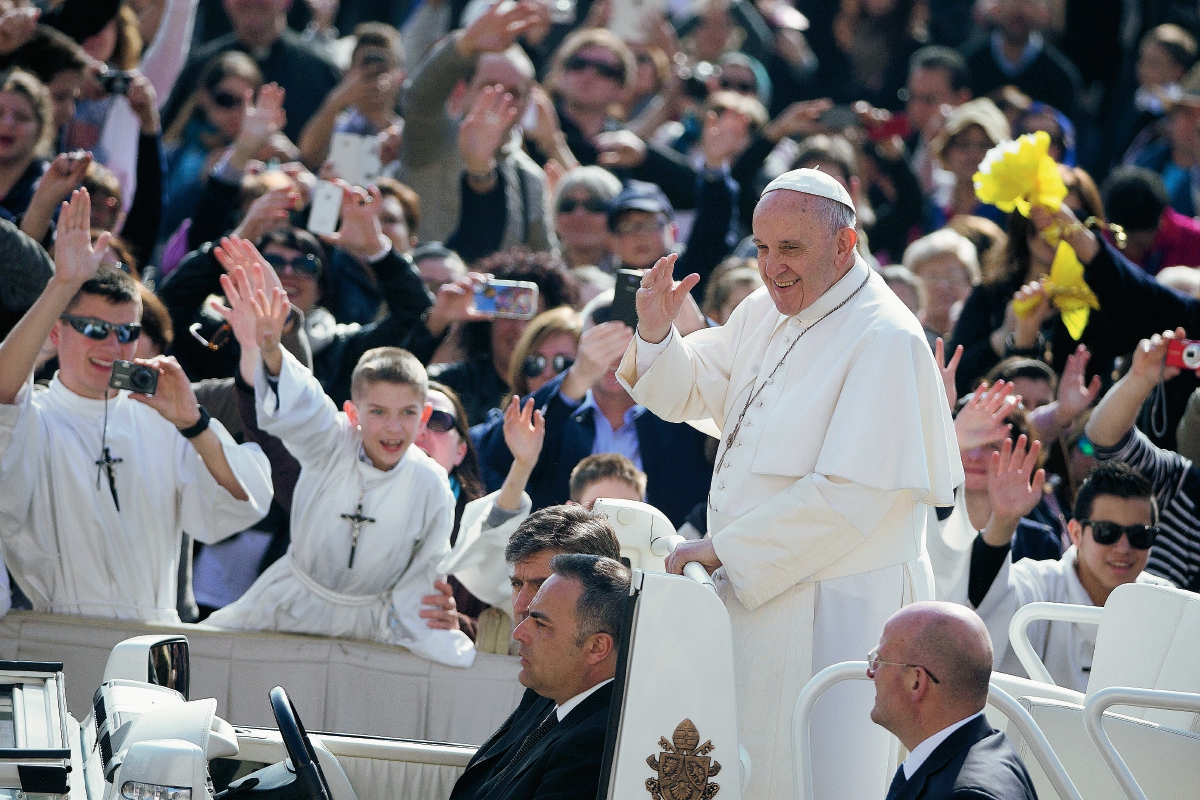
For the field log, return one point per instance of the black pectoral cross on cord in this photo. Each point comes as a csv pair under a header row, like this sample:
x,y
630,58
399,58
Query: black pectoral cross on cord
x,y
356,522
106,464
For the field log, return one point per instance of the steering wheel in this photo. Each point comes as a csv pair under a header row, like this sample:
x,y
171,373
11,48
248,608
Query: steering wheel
x,y
299,748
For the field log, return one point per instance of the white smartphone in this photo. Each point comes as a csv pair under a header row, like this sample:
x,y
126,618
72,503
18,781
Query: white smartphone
x,y
355,158
326,208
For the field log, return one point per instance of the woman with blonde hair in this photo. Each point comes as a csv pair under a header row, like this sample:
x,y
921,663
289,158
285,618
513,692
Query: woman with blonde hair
x,y
545,350
26,130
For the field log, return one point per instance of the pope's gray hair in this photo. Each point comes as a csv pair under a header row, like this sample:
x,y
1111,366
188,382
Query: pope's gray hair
x,y
834,214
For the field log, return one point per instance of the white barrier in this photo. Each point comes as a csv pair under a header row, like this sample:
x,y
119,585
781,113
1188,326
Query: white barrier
x,y
336,684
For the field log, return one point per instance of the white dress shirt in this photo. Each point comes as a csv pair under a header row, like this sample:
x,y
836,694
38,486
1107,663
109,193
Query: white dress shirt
x,y
569,706
922,751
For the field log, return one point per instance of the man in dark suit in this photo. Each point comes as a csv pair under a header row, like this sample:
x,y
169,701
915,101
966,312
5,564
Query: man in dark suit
x,y
553,744
588,412
931,672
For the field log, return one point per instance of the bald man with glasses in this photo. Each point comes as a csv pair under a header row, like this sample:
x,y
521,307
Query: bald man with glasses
x,y
931,671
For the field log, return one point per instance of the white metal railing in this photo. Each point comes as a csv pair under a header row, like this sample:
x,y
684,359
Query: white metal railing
x,y
1093,720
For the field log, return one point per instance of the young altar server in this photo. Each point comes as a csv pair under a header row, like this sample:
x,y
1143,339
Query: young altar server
x,y
97,485
1115,523
371,515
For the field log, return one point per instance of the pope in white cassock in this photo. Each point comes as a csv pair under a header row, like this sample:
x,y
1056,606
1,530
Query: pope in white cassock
x,y
836,445
98,485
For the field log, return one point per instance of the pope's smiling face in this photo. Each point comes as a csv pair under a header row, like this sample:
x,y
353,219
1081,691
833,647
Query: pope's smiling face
x,y
799,256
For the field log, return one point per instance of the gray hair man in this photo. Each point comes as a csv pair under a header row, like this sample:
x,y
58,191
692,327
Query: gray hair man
x,y
836,444
553,744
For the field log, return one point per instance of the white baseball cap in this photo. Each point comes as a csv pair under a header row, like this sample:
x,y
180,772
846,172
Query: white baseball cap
x,y
814,182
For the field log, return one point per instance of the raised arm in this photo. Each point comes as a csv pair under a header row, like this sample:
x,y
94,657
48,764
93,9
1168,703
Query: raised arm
x,y
1118,411
524,433
76,261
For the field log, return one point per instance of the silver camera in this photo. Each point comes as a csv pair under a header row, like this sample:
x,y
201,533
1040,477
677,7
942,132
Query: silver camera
x,y
134,377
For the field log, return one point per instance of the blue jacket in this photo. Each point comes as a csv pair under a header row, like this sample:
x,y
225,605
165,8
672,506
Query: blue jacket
x,y
673,458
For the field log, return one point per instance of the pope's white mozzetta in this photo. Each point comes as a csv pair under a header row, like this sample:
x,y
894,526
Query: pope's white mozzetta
x,y
821,503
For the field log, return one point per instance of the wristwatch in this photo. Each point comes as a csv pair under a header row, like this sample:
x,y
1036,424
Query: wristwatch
x,y
192,431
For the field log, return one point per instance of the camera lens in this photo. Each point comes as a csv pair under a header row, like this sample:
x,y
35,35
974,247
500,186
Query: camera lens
x,y
142,379
1191,356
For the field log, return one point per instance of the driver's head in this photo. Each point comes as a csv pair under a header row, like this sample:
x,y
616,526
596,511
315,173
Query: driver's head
x,y
545,534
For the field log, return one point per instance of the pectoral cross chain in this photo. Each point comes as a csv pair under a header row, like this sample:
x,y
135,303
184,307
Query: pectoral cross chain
x,y
356,522
106,464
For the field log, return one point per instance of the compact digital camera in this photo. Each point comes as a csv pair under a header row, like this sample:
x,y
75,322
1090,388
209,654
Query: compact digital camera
x,y
134,377
1183,353
115,81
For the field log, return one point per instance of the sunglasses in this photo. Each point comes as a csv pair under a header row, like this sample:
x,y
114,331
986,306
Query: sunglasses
x,y
533,366
1104,532
441,421
604,70
227,100
99,330
593,205
739,87
306,264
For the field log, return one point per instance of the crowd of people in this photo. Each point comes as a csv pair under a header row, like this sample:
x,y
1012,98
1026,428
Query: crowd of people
x,y
356,438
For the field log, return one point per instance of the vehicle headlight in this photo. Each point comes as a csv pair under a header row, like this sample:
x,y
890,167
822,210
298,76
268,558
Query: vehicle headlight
x,y
136,790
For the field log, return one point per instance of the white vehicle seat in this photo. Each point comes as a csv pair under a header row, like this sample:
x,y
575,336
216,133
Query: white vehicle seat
x,y
676,692
1149,638
646,536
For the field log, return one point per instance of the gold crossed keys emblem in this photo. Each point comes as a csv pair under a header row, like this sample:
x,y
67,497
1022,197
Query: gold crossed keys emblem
x,y
684,767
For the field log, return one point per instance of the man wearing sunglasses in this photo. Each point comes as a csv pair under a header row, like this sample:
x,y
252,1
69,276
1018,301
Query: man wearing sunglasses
x,y
98,484
1114,526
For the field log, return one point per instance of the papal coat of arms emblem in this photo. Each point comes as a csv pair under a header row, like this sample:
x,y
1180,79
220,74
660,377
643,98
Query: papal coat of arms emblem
x,y
684,767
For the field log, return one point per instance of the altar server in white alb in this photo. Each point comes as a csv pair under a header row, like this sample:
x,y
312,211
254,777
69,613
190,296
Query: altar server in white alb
x,y
1114,524
837,443
371,514
96,485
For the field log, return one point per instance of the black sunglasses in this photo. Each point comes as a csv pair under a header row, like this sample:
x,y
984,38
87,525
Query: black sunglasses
x,y
593,205
739,87
536,365
306,264
99,330
441,421
577,63
226,100
1141,537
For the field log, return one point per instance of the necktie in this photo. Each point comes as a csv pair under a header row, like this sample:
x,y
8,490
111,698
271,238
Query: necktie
x,y
898,782
532,739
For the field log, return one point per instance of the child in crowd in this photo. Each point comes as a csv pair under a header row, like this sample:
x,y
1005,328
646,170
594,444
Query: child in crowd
x,y
371,515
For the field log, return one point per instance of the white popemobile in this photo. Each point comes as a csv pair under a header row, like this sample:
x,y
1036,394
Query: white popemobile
x,y
673,735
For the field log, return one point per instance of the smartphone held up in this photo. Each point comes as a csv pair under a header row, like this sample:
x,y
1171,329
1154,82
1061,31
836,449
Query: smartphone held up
x,y
507,299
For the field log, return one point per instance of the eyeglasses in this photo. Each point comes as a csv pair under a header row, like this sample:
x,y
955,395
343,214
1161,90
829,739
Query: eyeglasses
x,y
603,69
1141,537
219,339
874,662
647,226
536,365
306,264
441,421
593,205
741,87
99,330
227,100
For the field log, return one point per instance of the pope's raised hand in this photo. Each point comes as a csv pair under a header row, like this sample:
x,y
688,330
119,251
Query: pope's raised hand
x,y
76,259
660,299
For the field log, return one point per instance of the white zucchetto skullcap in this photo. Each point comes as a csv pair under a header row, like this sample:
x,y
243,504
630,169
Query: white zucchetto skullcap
x,y
814,182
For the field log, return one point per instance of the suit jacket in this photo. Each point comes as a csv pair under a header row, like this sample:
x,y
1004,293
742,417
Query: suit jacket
x,y
678,473
564,765
975,762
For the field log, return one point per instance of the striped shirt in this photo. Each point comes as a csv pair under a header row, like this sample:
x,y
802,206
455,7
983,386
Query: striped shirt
x,y
1176,552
